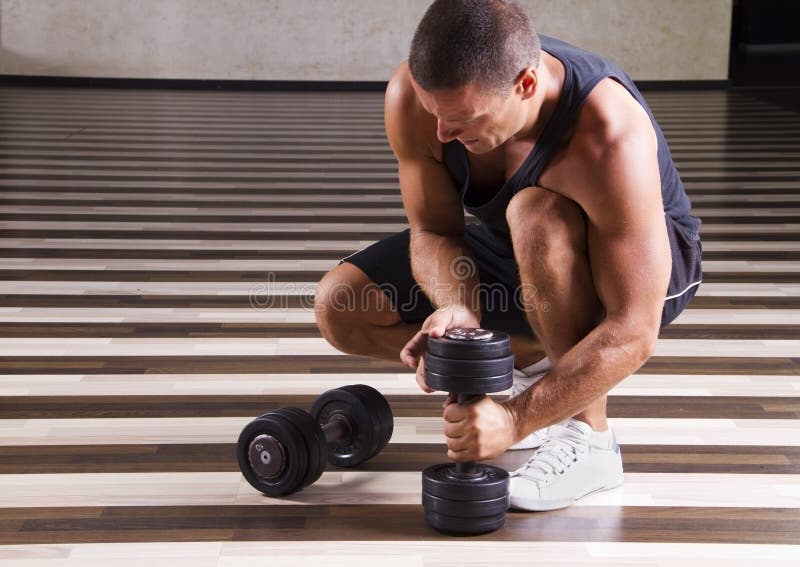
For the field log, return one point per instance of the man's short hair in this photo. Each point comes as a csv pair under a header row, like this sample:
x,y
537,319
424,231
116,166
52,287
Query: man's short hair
x,y
460,41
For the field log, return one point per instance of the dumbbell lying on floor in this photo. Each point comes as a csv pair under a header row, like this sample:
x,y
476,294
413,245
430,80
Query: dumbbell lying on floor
x,y
467,498
287,449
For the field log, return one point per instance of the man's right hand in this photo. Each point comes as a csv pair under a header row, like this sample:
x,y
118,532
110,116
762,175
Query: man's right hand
x,y
435,326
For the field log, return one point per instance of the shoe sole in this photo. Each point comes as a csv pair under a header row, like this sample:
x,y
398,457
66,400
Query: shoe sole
x,y
546,505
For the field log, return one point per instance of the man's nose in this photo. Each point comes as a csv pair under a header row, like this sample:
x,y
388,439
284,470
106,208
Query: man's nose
x,y
446,133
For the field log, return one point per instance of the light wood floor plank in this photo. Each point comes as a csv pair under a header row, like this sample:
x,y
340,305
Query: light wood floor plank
x,y
388,554
710,289
265,309
384,488
402,383
178,347
124,431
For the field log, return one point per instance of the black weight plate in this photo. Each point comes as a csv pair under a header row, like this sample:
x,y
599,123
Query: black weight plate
x,y
379,410
465,508
295,455
469,368
374,420
496,347
461,385
441,481
464,526
365,436
314,439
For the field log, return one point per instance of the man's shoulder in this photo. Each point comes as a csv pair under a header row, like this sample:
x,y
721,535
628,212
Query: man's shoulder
x,y
612,135
609,117
409,127
399,90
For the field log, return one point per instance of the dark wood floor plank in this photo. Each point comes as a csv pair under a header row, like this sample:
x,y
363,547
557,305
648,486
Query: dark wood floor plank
x,y
392,522
142,406
312,276
726,332
398,217
751,277
165,301
130,300
697,188
325,364
143,330
160,234
317,235
202,219
408,457
306,276
310,330
743,302
100,253
316,254
110,200
205,178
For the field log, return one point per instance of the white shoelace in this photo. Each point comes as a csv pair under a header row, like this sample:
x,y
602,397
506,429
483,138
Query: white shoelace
x,y
555,456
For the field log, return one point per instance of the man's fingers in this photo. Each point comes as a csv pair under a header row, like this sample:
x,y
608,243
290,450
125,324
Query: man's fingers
x,y
437,324
424,387
437,331
412,352
455,412
421,377
462,456
453,431
408,357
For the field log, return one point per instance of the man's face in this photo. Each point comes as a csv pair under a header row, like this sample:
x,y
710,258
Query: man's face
x,y
479,120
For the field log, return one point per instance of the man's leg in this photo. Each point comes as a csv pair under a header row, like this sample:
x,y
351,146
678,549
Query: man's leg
x,y
371,305
548,233
580,456
357,317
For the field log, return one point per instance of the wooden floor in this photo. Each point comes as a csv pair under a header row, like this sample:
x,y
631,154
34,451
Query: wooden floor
x,y
159,253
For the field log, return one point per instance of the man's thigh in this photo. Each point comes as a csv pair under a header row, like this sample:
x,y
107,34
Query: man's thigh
x,y
388,264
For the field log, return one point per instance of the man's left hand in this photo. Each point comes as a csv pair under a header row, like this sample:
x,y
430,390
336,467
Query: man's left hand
x,y
477,431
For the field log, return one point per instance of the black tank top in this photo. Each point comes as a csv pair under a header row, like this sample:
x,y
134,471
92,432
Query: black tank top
x,y
583,70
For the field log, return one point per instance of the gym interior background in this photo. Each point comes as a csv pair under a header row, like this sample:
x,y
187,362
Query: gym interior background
x,y
176,175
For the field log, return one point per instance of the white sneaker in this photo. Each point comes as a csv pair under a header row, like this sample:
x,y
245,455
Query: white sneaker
x,y
524,379
574,462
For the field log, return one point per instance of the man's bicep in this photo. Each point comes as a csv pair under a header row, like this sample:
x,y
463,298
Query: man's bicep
x,y
631,269
430,198
628,245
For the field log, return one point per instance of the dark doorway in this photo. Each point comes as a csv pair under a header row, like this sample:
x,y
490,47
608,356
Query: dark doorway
x,y
765,43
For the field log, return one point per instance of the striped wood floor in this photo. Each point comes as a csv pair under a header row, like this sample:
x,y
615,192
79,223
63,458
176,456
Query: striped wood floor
x,y
159,250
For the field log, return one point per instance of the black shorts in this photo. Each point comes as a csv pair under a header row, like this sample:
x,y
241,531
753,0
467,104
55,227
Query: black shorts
x,y
388,264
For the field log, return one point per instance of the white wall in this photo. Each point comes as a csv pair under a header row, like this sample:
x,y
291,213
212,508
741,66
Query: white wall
x,y
330,40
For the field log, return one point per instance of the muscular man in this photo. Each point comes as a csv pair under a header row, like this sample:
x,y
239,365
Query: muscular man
x,y
585,245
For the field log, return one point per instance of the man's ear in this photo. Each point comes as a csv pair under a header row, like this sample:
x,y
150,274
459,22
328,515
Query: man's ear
x,y
527,82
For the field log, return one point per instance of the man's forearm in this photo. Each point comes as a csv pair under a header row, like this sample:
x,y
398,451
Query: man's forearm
x,y
444,268
607,355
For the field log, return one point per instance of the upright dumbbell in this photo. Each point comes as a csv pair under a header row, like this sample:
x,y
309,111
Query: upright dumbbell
x,y
467,498
287,449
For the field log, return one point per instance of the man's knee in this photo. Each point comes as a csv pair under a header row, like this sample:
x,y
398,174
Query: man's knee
x,y
546,223
346,303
